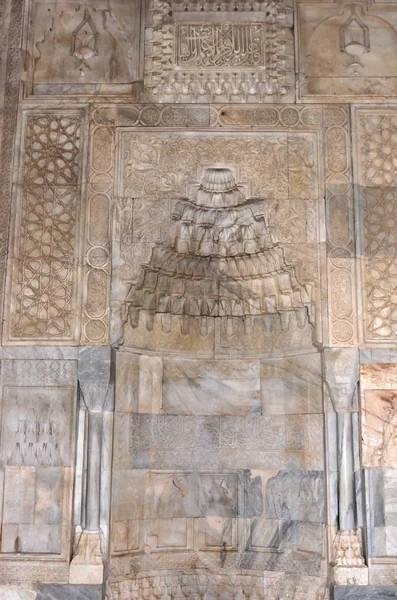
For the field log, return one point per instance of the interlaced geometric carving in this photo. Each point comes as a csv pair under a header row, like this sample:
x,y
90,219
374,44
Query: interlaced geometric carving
x,y
380,221
379,149
46,249
52,149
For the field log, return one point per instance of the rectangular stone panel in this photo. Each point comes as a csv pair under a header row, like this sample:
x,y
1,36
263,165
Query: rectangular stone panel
x,y
296,496
346,51
217,533
378,410
43,278
261,442
91,49
264,535
162,535
291,385
372,592
38,403
201,52
19,495
29,524
192,41
209,387
376,174
37,426
378,208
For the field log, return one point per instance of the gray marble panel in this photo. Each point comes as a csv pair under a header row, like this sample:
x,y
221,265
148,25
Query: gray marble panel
x,y
69,592
360,505
332,454
11,592
298,496
39,352
292,386
390,496
211,387
264,534
381,509
378,356
369,592
95,377
302,536
141,494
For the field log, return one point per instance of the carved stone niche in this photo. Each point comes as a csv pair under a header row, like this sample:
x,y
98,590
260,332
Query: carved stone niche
x,y
78,48
220,51
346,50
200,250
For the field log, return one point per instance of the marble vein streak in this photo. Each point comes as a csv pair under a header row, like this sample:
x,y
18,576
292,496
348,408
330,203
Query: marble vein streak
x,y
369,592
69,592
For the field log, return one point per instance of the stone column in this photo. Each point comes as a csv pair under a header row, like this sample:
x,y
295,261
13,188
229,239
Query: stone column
x,y
341,376
96,398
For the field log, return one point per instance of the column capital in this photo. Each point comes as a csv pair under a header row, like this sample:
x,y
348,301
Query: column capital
x,y
341,376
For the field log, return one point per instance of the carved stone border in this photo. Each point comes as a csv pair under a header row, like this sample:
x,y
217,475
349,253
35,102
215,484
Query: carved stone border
x,y
11,12
96,285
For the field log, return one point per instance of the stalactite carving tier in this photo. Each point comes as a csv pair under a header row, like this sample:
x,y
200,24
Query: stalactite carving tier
x,y
219,261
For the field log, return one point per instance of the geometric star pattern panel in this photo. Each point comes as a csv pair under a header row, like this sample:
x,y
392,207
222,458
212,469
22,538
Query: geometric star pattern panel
x,y
44,282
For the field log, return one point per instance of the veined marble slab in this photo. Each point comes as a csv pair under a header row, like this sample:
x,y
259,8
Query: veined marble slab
x,y
211,387
16,593
69,592
369,592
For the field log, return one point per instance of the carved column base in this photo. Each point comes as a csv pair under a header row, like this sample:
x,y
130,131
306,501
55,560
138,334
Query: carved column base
x,y
87,563
350,567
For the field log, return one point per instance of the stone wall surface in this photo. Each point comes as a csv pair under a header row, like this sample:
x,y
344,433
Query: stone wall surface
x,y
198,283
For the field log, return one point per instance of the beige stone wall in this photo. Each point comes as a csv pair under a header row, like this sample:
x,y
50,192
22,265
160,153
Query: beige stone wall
x,y
199,297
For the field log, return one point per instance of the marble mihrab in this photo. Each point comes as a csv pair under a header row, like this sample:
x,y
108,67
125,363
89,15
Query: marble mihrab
x,y
198,282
